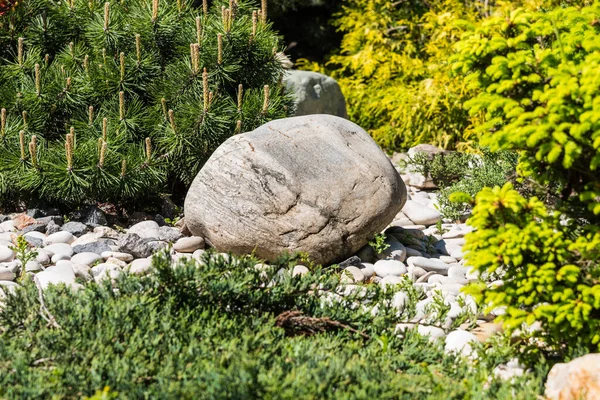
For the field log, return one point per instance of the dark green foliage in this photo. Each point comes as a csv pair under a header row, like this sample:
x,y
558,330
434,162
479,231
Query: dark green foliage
x,y
110,75
466,172
208,331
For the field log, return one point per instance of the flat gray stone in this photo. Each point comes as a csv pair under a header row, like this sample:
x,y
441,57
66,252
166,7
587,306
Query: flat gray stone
x,y
76,228
6,274
141,266
59,248
56,275
6,254
421,215
93,247
384,268
62,237
429,264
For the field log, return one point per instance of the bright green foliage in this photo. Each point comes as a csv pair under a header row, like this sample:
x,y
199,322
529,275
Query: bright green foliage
x,y
23,252
537,74
393,70
548,276
109,74
208,332
378,243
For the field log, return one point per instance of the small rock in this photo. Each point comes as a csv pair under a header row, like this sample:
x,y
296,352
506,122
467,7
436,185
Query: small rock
x,y
59,257
367,269
140,266
459,341
395,251
52,228
62,237
93,247
384,268
354,273
6,254
399,301
43,257
157,245
34,228
85,258
352,261
390,280
169,234
58,220
117,262
32,266
134,245
6,274
421,215
8,226
75,228
90,215
56,275
429,264
367,254
59,248
300,270
83,272
121,256
145,230
189,244
21,221
34,241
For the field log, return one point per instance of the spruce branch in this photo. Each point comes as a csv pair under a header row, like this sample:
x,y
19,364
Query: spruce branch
x,y
20,52
205,90
106,16
123,168
219,49
69,152
122,65
33,151
73,138
24,117
104,128
22,144
138,47
266,99
90,115
172,120
163,103
3,123
199,31
263,11
38,80
154,10
205,7
102,154
240,97
121,105
148,149
254,25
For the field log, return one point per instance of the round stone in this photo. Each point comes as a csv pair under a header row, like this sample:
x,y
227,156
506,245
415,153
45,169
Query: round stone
x,y
384,268
59,248
390,280
420,214
354,273
6,274
62,237
189,244
367,269
299,270
6,254
459,341
145,229
59,257
86,258
429,264
33,266
121,256
140,266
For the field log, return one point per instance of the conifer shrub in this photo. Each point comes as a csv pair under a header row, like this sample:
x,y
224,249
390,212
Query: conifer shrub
x,y
393,70
537,75
217,329
110,101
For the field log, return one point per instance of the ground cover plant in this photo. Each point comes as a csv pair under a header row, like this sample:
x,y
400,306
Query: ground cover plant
x,y
110,101
225,328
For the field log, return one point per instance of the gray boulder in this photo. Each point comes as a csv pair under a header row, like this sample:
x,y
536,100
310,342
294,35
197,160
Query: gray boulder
x,y
317,184
316,93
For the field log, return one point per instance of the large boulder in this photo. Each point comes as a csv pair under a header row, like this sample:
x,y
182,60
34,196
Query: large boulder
x,y
316,93
317,184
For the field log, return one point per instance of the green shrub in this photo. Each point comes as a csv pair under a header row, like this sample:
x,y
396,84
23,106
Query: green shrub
x,y
393,70
537,74
210,331
465,173
126,81
547,276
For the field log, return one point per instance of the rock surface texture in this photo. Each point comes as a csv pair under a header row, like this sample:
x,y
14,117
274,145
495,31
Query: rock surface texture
x,y
317,184
316,93
578,379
